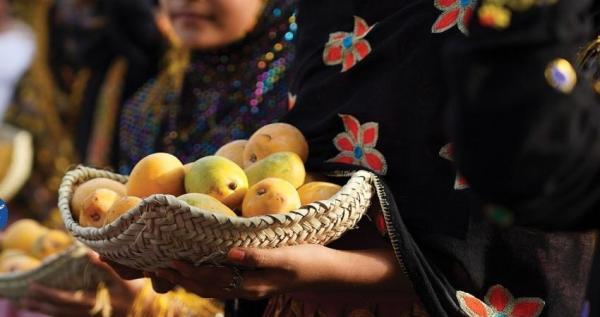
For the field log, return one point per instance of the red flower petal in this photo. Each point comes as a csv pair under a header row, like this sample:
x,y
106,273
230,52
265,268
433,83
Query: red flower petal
x,y
464,19
370,134
348,61
472,306
527,307
447,20
344,142
352,126
498,297
361,28
344,157
460,182
332,55
445,4
374,160
467,15
337,36
380,223
362,49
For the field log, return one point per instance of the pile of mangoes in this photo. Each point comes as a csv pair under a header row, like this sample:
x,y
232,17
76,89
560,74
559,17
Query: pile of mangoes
x,y
262,175
26,243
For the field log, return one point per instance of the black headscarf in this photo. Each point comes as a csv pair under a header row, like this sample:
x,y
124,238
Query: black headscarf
x,y
375,98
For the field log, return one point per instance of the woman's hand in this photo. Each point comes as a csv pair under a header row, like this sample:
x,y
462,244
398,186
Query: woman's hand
x,y
56,302
314,268
160,285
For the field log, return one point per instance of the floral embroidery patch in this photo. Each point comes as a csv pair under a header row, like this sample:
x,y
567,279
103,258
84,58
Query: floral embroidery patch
x,y
456,12
447,152
499,302
357,145
348,48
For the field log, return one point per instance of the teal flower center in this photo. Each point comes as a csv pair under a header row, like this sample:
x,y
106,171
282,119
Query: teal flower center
x,y
465,3
358,152
347,42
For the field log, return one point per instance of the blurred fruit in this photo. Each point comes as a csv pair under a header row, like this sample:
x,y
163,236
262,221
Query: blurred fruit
x,y
96,206
158,173
85,189
270,196
233,151
284,165
207,202
315,191
218,177
121,206
22,235
54,241
273,138
17,262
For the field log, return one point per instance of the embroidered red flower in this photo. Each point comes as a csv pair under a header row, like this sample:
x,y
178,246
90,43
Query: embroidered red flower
x,y
456,12
447,152
499,302
348,48
357,145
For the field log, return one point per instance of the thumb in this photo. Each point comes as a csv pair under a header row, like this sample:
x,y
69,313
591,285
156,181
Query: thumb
x,y
259,258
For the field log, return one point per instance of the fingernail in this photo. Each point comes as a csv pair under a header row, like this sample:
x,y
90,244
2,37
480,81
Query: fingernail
x,y
237,255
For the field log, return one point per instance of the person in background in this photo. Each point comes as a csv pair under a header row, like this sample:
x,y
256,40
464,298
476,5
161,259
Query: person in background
x,y
90,57
16,52
226,80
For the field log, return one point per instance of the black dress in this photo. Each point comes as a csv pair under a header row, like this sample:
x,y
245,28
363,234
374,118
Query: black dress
x,y
370,93
525,117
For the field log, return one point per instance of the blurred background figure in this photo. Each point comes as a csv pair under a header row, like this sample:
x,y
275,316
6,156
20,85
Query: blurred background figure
x,y
16,51
90,56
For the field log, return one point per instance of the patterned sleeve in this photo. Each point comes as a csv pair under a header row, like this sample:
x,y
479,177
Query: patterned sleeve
x,y
524,114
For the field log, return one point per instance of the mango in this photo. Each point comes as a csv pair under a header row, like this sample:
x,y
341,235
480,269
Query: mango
x,y
315,191
121,206
270,196
284,165
84,190
22,235
18,262
54,241
218,177
233,151
208,203
96,206
158,173
273,138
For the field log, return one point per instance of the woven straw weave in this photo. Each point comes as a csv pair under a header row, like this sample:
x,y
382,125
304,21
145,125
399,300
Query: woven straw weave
x,y
69,270
163,228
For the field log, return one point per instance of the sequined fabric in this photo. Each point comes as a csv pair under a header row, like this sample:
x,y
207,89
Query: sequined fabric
x,y
225,95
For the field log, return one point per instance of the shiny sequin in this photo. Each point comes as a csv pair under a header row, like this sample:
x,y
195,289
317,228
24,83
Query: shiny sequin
x,y
561,75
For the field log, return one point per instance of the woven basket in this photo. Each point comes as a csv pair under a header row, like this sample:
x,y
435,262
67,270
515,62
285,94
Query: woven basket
x,y
69,270
163,228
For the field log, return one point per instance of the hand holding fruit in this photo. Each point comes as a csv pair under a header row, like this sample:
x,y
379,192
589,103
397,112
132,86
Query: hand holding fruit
x,y
294,269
